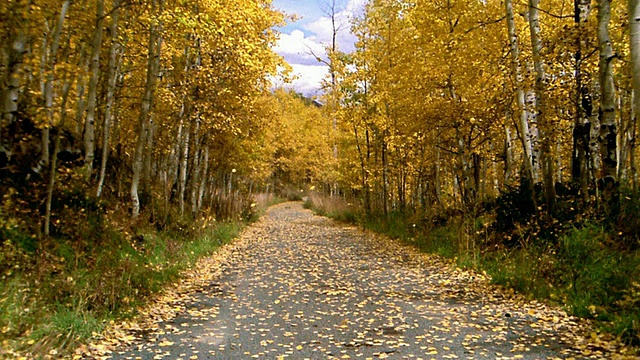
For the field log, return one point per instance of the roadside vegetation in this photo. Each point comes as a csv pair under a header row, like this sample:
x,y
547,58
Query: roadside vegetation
x,y
59,293
590,267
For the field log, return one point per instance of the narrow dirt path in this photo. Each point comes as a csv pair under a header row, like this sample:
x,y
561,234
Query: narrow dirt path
x,y
301,286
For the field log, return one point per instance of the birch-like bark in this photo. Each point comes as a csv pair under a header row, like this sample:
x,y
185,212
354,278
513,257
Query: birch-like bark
x,y
50,55
13,51
385,180
540,88
508,155
607,138
516,69
203,182
112,77
624,133
44,137
182,183
634,38
81,88
363,171
153,66
438,181
195,166
632,160
92,93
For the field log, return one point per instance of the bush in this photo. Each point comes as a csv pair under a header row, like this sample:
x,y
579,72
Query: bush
x,y
514,206
56,292
629,221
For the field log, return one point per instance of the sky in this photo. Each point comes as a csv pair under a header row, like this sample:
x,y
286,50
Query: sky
x,y
301,41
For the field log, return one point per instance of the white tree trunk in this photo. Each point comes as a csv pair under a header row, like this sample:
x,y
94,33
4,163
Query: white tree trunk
x,y
545,131
182,184
607,138
92,94
13,51
533,133
518,78
153,67
81,88
195,167
203,182
112,77
634,27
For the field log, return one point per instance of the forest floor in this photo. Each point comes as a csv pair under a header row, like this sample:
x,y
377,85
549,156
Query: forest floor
x,y
296,285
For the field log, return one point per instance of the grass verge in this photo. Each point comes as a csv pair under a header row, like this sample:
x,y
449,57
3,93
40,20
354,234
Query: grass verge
x,y
58,293
584,270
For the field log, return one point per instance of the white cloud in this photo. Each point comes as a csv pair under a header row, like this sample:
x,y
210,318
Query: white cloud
x,y
356,6
323,27
300,49
308,78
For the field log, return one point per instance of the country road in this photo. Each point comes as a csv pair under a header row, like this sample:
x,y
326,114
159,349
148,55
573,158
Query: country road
x,y
301,286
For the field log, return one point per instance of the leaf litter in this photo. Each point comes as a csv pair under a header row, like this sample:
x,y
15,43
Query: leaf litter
x,y
300,286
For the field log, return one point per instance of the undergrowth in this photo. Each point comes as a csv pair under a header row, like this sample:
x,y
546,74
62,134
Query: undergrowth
x,y
585,266
57,293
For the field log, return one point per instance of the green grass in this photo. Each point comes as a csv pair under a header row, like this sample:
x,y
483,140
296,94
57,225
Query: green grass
x,y
585,270
57,297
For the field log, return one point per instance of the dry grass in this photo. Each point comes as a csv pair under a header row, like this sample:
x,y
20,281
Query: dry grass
x,y
334,207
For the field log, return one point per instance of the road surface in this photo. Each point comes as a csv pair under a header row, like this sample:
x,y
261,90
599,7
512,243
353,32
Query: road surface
x,y
301,286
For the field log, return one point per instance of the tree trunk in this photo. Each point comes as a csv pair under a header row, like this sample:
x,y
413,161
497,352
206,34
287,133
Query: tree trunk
x,y
12,56
182,182
112,77
203,182
624,134
634,38
174,164
545,131
518,78
50,55
583,106
92,93
508,155
54,159
153,67
81,88
385,176
607,138
148,157
195,167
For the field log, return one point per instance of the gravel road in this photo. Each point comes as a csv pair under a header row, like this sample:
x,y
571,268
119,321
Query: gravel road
x,y
301,286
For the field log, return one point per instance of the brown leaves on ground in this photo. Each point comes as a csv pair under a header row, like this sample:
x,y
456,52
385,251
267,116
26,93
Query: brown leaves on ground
x,y
301,286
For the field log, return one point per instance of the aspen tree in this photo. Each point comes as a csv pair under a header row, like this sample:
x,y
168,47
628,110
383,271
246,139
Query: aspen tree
x,y
607,138
634,38
546,131
92,93
518,79
153,67
112,78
